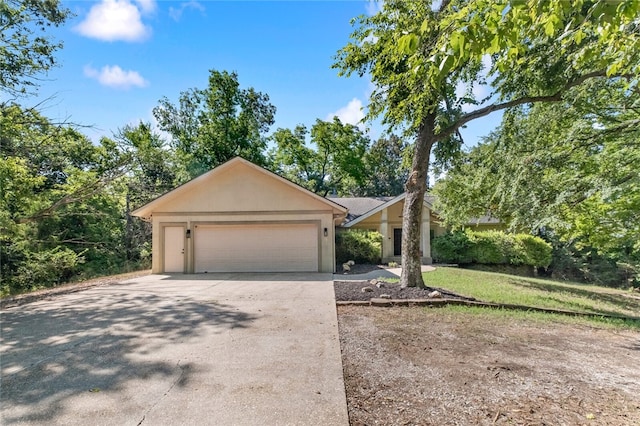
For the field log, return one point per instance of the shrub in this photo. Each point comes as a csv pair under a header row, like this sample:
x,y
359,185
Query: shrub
x,y
452,247
46,269
491,248
359,245
534,250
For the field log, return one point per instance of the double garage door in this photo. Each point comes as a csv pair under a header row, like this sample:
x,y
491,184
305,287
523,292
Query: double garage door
x,y
256,248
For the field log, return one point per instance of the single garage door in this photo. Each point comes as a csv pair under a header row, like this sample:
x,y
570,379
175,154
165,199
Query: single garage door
x,y
256,248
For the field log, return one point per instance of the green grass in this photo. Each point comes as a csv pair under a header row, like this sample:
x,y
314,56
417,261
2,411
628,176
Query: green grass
x,y
510,289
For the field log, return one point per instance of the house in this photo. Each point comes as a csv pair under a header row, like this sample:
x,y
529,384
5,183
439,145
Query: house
x,y
384,214
240,217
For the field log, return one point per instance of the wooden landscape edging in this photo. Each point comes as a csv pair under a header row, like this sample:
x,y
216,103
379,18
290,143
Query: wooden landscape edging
x,y
459,302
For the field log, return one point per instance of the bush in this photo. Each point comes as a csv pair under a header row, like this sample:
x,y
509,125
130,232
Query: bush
x,y
451,248
46,269
491,248
534,250
359,245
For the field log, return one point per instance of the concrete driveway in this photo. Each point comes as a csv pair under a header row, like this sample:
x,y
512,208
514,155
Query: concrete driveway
x,y
219,349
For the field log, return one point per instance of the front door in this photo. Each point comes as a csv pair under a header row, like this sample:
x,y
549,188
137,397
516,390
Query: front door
x,y
174,248
397,241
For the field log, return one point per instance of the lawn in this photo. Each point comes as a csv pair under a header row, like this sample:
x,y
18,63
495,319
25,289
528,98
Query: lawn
x,y
535,292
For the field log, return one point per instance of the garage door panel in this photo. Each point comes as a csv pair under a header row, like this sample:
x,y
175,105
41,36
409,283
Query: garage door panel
x,y
256,248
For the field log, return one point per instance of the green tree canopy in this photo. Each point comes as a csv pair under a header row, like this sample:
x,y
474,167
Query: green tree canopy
x,y
59,203
418,53
210,126
571,168
25,49
333,163
386,168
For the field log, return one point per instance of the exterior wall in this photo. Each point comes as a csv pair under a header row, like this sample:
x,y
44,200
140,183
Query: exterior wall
x,y
326,253
240,188
240,194
386,220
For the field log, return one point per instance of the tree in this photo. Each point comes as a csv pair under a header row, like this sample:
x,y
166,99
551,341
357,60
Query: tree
x,y
418,53
213,125
25,51
386,168
335,164
568,169
152,173
58,206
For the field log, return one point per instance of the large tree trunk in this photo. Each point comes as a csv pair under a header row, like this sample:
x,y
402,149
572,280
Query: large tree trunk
x,y
415,188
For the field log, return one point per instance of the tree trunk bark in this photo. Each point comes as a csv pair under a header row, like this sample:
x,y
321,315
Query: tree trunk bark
x,y
415,188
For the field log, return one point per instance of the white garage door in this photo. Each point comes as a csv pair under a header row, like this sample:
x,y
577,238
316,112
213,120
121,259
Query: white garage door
x,y
256,248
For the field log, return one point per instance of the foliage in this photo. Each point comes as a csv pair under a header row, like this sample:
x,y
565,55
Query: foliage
x,y
491,247
452,247
582,156
386,168
420,53
210,126
25,51
334,164
359,245
60,196
45,268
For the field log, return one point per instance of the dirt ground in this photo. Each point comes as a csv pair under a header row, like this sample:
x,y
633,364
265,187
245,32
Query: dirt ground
x,y
420,366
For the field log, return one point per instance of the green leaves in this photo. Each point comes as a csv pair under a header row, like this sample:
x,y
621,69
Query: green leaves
x,y
570,168
334,163
25,50
408,44
213,125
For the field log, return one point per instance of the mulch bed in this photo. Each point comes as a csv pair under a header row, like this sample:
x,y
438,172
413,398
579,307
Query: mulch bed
x,y
360,269
351,291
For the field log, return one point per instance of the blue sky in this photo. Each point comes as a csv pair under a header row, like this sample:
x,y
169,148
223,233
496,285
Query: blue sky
x,y
121,56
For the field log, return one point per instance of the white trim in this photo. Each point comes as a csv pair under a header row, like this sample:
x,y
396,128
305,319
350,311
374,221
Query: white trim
x,y
380,208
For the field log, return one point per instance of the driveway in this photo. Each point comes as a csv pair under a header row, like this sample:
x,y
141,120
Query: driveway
x,y
218,349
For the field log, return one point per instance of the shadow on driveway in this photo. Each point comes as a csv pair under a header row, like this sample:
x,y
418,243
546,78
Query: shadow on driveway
x,y
79,348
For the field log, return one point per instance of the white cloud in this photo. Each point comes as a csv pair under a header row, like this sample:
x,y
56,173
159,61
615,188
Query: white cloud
x,y
112,20
147,6
374,6
351,114
176,13
116,77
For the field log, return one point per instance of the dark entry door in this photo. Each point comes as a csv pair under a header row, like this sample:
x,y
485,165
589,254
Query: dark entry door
x,y
397,241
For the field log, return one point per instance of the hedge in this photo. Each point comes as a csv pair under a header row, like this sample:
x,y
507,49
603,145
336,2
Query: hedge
x,y
491,248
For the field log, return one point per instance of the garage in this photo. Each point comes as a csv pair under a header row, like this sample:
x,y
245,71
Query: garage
x,y
239,217
256,248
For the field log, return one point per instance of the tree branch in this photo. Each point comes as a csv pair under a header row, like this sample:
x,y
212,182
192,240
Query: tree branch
x,y
556,97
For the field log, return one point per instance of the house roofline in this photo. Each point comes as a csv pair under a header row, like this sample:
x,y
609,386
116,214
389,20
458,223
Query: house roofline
x,y
145,210
380,208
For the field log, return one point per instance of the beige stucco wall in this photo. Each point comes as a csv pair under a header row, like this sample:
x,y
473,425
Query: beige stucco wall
x,y
241,194
326,261
241,188
386,221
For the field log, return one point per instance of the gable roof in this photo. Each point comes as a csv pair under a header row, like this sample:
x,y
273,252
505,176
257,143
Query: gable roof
x,y
361,208
377,204
146,210
360,205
